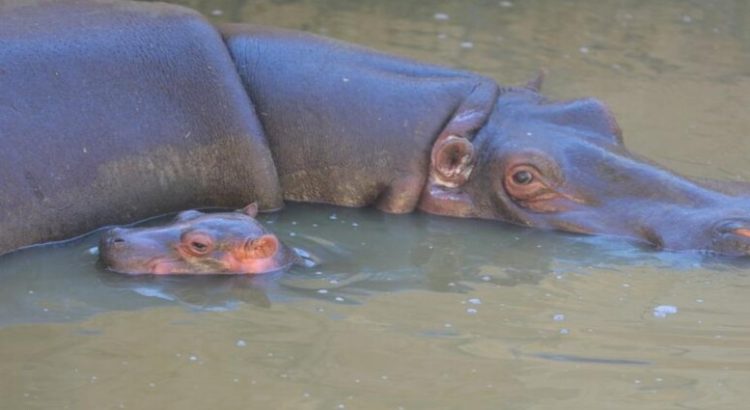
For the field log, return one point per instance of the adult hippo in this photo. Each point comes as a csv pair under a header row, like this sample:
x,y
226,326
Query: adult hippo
x,y
114,111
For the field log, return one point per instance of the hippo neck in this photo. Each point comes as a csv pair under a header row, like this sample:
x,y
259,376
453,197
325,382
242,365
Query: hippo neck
x,y
346,125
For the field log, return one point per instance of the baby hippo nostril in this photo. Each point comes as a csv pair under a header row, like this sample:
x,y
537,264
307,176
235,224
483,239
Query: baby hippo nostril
x,y
113,237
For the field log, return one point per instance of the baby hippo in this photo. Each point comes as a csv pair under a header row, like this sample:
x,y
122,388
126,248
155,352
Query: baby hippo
x,y
197,243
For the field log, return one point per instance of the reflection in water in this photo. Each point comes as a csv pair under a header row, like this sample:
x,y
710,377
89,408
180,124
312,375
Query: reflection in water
x,y
415,311
350,253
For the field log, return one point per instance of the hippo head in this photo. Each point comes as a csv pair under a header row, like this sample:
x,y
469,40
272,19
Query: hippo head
x,y
563,165
196,243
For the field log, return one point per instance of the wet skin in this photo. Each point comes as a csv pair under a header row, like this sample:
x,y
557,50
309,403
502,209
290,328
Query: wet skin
x,y
563,166
197,243
229,114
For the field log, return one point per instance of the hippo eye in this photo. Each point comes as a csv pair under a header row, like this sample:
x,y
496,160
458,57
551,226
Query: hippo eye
x,y
196,243
523,177
199,247
526,183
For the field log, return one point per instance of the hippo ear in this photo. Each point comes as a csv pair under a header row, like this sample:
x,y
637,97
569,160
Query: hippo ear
x,y
452,160
188,215
587,114
251,209
535,84
261,248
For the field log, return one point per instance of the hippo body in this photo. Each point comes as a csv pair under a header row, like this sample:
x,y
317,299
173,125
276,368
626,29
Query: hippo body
x,y
148,108
135,113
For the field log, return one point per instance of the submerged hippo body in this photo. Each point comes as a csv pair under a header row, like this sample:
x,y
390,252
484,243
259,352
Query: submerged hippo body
x,y
148,108
197,243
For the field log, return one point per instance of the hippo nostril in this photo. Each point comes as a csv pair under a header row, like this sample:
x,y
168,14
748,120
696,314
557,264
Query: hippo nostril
x,y
734,226
115,241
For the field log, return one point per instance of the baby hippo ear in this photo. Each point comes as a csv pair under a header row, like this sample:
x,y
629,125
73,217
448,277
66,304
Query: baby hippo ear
x,y
261,248
188,215
251,210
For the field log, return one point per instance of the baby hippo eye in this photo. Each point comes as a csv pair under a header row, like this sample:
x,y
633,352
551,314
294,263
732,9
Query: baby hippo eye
x,y
197,243
198,246
523,177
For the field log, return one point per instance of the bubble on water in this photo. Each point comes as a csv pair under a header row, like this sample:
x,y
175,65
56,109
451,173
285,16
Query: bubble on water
x,y
471,311
558,317
448,325
354,224
294,222
687,19
506,4
333,217
193,358
475,301
584,50
339,299
152,384
564,331
663,311
292,234
322,291
699,300
216,12
314,225
486,278
467,44
241,343
94,250
441,16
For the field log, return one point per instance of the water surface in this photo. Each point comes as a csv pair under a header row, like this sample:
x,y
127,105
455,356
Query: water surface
x,y
414,311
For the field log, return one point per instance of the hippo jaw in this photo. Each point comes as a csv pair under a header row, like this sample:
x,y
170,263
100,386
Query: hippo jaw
x,y
196,243
563,166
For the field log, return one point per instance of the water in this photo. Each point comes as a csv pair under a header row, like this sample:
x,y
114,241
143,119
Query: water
x,y
426,312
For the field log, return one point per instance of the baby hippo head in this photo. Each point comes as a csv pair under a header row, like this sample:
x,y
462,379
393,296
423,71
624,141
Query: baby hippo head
x,y
196,243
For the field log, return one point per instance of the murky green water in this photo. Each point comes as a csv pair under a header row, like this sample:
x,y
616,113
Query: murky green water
x,y
425,312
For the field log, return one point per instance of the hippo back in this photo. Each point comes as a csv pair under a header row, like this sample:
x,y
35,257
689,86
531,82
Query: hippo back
x,y
114,111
